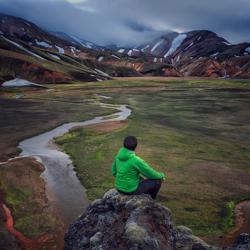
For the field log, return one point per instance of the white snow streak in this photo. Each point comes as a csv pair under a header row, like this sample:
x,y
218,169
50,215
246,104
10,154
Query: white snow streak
x,y
17,82
21,47
100,58
215,54
175,44
56,57
247,49
227,43
143,49
156,45
130,52
116,57
43,44
121,50
101,72
83,43
190,45
60,50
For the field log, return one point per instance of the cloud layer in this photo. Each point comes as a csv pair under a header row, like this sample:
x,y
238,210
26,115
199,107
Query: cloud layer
x,y
127,22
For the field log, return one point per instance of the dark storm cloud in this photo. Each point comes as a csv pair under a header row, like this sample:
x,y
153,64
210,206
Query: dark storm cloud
x,y
135,21
135,25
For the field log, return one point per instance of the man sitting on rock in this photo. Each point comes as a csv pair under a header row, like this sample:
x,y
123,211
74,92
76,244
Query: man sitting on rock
x,y
128,168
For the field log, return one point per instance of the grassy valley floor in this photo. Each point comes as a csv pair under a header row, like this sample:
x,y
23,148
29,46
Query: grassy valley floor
x,y
196,131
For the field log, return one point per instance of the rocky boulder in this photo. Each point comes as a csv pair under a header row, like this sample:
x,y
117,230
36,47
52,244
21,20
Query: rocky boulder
x,y
129,222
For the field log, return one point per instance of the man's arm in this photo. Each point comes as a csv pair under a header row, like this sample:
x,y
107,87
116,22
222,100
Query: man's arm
x,y
148,171
114,168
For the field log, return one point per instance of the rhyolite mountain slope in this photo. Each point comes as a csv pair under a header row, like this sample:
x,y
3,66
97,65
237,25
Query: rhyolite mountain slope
x,y
197,53
194,44
119,222
32,53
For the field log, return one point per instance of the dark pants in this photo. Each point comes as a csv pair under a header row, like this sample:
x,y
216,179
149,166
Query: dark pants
x,y
148,186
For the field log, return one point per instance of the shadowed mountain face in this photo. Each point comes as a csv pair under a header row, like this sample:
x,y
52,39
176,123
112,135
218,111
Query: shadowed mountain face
x,y
29,52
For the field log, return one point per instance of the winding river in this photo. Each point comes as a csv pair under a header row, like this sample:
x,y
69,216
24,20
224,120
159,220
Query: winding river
x,y
63,188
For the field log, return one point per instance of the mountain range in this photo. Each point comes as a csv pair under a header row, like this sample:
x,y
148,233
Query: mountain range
x,y
32,53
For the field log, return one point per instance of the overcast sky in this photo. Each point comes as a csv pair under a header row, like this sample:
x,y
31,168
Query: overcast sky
x,y
131,22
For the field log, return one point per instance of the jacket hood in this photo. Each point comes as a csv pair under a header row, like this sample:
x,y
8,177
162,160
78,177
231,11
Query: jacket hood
x,y
124,154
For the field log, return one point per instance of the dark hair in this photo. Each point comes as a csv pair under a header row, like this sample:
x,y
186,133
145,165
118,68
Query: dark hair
x,y
130,142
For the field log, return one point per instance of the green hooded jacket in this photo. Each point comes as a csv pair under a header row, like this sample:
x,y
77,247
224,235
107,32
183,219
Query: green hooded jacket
x,y
127,169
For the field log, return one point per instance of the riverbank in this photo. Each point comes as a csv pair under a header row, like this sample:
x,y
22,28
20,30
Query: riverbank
x,y
27,216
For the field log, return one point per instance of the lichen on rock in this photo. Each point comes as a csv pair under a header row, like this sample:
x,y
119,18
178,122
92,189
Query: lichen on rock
x,y
135,222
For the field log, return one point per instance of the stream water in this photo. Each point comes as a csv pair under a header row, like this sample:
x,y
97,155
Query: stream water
x,y
63,188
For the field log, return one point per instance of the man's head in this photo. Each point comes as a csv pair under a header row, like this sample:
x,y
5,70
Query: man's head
x,y
130,142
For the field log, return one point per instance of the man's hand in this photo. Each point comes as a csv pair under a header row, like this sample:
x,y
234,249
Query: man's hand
x,y
164,179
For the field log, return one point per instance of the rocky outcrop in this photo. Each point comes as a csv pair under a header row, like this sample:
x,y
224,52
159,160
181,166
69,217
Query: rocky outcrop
x,y
129,222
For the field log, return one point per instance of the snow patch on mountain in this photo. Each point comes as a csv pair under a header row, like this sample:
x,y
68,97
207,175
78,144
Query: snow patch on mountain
x,y
60,50
189,46
215,54
24,49
156,45
227,43
85,44
17,82
175,44
101,72
100,58
73,50
121,51
43,44
146,47
56,57
130,52
247,49
116,57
